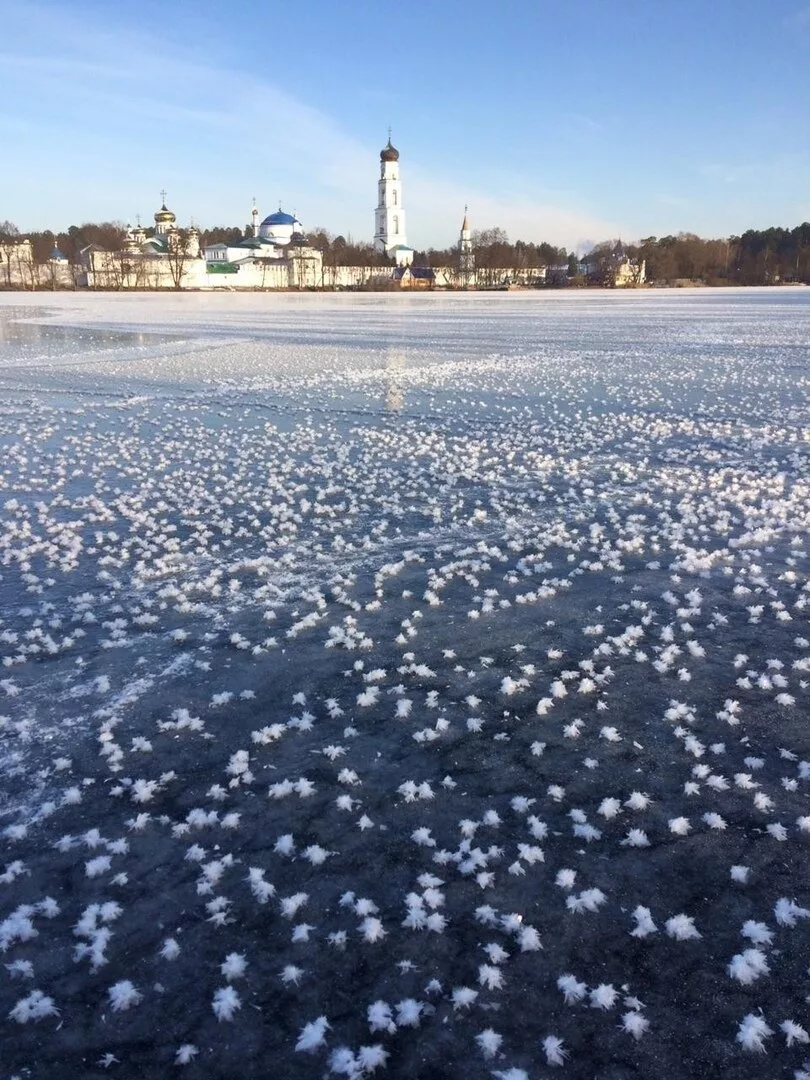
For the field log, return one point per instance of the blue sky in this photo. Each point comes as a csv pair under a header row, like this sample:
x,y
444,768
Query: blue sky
x,y
562,122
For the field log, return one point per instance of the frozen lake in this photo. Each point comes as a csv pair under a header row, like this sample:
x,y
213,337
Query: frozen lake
x,y
405,685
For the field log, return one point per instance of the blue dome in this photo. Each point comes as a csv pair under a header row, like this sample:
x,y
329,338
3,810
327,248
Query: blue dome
x,y
280,218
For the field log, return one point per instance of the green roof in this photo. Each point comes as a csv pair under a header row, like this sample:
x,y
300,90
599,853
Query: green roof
x,y
256,242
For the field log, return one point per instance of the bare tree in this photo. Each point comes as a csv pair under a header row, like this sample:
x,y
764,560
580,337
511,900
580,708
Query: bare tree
x,y
9,235
179,255
25,266
138,266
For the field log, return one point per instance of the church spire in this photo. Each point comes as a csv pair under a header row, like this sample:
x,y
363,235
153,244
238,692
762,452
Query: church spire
x,y
466,256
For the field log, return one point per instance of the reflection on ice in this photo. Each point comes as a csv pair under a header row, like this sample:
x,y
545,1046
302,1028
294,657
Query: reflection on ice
x,y
394,392
24,342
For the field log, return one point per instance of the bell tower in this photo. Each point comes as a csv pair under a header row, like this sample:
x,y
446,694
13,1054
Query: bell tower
x,y
466,256
389,217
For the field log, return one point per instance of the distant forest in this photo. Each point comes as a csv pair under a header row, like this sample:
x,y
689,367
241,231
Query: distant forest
x,y
758,257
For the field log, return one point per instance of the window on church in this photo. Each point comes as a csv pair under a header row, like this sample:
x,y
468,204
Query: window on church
x,y
395,197
396,224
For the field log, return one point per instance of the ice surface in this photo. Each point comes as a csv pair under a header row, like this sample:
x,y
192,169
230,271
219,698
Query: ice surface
x,y
409,661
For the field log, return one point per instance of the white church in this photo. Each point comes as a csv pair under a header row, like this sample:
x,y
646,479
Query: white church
x,y
273,255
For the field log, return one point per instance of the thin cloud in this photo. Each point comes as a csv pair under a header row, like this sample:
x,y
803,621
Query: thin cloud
x,y
799,18
677,201
583,121
264,136
522,219
787,167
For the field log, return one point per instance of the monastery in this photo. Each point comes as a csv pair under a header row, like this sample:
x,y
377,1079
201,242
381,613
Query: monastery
x,y
274,254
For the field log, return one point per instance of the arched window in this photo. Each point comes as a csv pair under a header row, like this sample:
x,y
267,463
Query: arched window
x,y
396,224
396,196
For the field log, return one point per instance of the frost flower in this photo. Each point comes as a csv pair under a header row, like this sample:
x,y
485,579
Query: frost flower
x,y
554,1050
489,1041
226,1002
123,996
603,996
747,966
682,928
572,988
312,1035
36,1006
752,1030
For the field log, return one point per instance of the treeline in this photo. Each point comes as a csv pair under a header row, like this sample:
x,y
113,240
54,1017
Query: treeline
x,y
492,248
758,257
344,251
108,235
